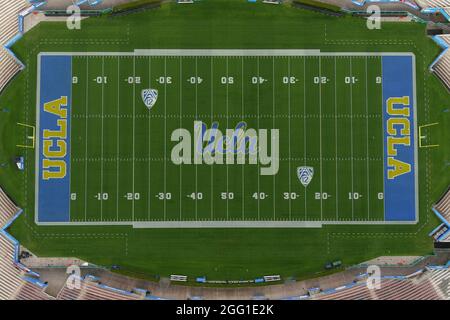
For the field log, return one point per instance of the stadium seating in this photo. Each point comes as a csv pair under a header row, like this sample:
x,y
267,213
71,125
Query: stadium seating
x,y
443,206
432,6
91,290
441,66
9,24
427,285
7,209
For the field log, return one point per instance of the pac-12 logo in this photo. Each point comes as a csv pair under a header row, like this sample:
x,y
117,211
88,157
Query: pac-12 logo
x,y
54,142
398,129
305,175
149,97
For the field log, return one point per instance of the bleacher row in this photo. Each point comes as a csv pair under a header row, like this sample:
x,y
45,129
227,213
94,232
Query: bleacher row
x,y
441,66
432,284
93,291
16,281
432,6
443,206
9,26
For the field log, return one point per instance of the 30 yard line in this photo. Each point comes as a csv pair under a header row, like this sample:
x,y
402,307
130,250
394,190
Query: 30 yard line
x,y
86,141
165,136
212,118
150,141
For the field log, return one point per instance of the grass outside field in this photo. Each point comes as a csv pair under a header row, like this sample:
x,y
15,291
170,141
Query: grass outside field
x,y
231,253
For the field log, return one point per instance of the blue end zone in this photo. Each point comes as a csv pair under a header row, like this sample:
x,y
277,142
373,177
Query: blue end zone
x,y
53,178
399,139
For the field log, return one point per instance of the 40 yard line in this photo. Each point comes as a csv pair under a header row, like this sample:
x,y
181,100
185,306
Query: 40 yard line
x,y
86,140
102,128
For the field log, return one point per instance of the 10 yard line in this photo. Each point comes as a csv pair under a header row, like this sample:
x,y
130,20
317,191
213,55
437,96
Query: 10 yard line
x,y
86,139
351,132
367,147
101,165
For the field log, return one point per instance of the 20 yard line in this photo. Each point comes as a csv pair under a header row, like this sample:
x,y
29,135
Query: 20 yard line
x,y
134,129
86,140
289,133
117,139
320,136
336,140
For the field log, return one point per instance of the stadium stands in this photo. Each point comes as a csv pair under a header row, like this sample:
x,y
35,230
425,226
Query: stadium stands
x,y
91,290
9,24
429,284
442,210
433,6
441,66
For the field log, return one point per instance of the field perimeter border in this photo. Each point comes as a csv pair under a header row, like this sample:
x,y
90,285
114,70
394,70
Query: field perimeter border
x,y
237,223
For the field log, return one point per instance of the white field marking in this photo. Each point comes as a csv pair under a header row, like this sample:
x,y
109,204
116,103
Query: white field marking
x,y
336,140
273,125
242,111
304,125
289,139
351,132
196,115
320,135
212,118
118,140
165,134
134,126
257,112
367,146
382,137
181,125
227,127
150,142
86,140
101,148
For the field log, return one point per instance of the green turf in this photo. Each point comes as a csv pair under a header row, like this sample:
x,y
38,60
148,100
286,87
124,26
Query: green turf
x,y
120,148
219,253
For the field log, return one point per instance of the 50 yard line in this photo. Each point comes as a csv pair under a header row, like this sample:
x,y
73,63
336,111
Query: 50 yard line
x,y
149,141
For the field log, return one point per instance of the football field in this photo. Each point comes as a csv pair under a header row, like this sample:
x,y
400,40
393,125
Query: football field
x,y
176,138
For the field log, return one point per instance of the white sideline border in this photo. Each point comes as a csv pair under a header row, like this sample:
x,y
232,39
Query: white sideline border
x,y
230,53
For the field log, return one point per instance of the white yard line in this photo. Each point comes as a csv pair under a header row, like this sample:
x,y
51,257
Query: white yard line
x,y
101,148
165,136
259,192
351,134
86,141
149,141
336,140
227,146
320,137
134,128
367,146
181,125
118,139
273,125
242,117
304,126
289,132
212,118
196,118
